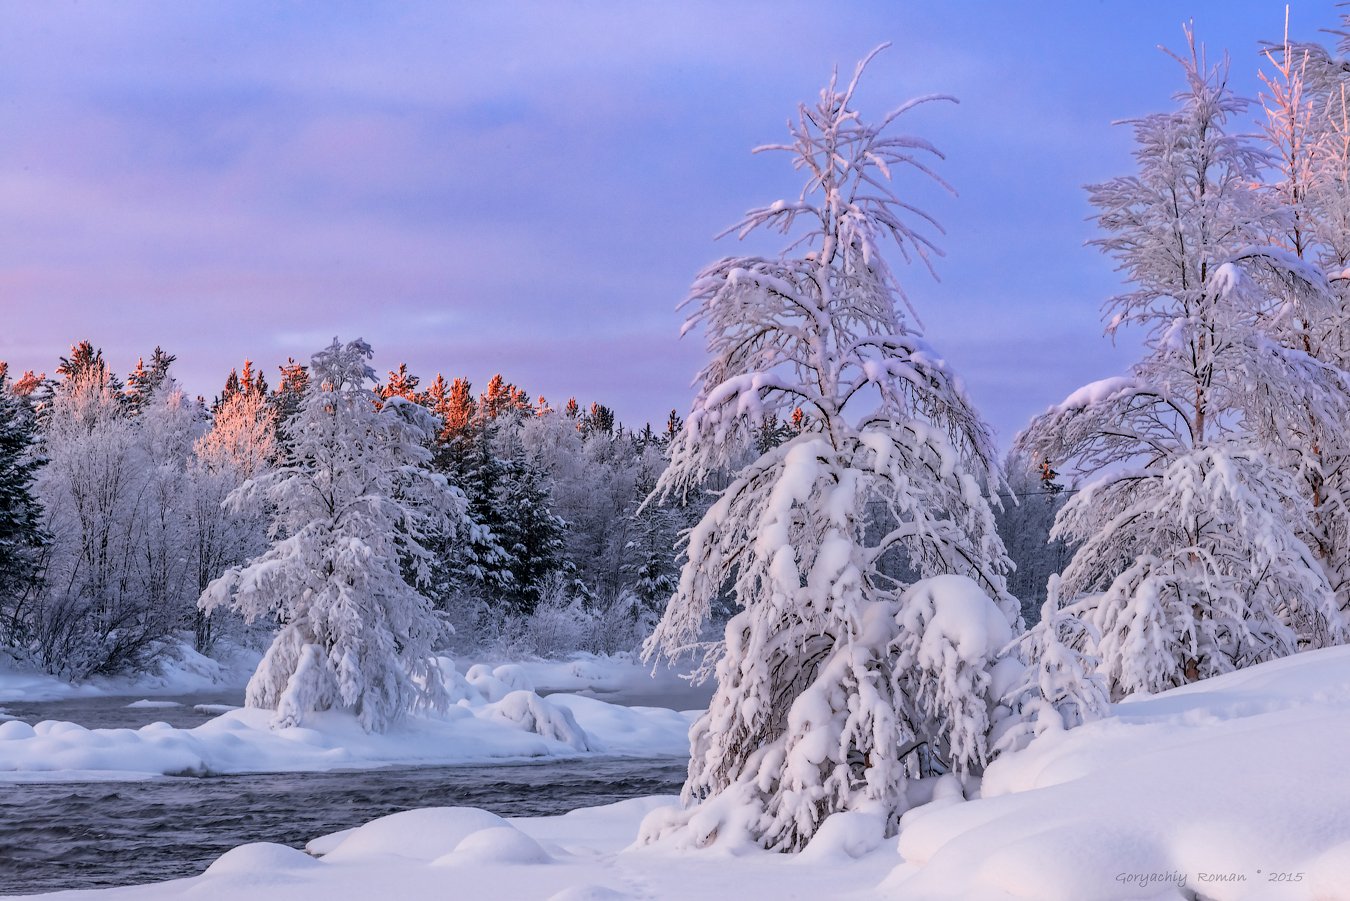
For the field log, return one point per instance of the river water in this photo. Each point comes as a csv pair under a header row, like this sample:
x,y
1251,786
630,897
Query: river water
x,y
95,834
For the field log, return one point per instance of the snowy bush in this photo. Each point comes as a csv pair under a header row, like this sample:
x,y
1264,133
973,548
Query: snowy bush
x,y
535,714
1054,683
949,636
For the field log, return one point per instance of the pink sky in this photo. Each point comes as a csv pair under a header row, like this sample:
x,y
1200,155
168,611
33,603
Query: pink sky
x,y
529,188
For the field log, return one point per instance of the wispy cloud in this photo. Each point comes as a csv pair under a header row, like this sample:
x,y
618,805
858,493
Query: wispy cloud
x,y
530,187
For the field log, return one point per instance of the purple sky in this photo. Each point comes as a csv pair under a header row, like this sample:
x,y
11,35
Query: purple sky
x,y
529,188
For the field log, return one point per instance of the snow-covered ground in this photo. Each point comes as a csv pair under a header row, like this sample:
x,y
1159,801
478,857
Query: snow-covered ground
x,y
183,671
497,715
1232,788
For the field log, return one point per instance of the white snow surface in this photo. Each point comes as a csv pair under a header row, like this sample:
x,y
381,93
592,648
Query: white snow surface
x,y
1212,790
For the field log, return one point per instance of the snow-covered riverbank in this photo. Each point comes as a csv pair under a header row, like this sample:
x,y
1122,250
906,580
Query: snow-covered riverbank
x,y
497,715
1228,789
178,672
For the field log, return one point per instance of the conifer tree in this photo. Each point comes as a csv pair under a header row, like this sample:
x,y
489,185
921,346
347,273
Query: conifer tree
x,y
287,398
21,535
456,411
471,462
145,380
401,383
352,509
529,533
651,552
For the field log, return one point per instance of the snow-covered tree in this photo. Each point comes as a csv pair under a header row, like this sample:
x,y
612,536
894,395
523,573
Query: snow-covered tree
x,y
21,536
94,617
167,426
811,714
1190,555
1307,127
240,445
351,510
651,552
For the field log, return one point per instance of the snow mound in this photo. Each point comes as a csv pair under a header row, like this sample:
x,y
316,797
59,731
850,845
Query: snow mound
x,y
534,714
514,677
318,847
481,677
1217,788
590,893
497,844
846,836
147,704
424,834
16,729
259,858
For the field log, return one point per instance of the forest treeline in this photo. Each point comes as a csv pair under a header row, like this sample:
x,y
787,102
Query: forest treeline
x,y
115,515
113,493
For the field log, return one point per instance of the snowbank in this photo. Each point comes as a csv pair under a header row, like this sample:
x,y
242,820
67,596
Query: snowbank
x,y
179,671
470,853
1230,789
519,725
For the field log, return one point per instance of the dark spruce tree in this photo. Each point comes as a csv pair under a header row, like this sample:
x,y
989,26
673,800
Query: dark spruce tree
x,y
530,533
21,536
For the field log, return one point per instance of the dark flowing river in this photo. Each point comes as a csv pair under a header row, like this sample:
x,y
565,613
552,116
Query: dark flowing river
x,y
93,834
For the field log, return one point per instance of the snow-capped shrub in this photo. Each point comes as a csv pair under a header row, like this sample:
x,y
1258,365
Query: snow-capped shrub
x,y
948,638
1055,684
535,714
